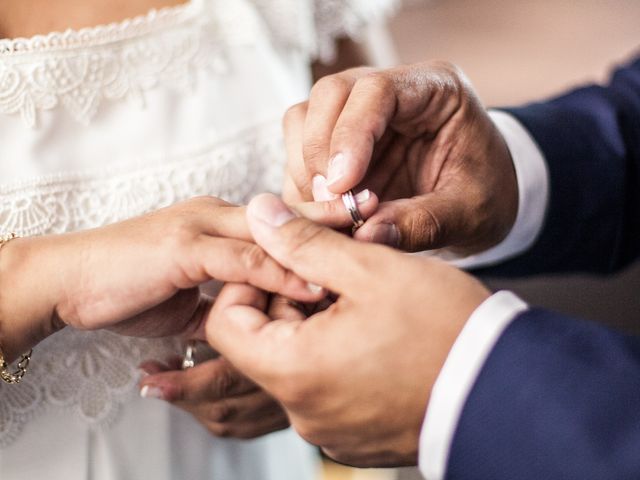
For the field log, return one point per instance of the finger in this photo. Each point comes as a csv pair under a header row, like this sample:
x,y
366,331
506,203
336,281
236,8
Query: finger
x,y
284,308
247,407
231,260
434,220
152,367
272,421
413,100
297,187
327,99
210,381
239,329
315,253
362,122
334,214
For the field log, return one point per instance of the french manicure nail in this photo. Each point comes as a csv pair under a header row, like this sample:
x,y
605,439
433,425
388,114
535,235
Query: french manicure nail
x,y
386,234
363,197
313,288
151,392
337,168
320,191
142,373
272,211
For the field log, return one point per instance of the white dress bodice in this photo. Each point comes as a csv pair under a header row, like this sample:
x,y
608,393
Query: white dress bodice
x,y
109,122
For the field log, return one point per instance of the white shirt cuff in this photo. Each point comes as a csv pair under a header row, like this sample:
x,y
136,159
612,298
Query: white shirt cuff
x,y
533,193
457,377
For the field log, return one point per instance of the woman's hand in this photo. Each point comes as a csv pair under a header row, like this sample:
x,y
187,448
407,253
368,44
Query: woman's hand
x,y
223,400
419,137
140,277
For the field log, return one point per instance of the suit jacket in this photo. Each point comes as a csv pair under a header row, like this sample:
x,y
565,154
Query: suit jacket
x,y
559,398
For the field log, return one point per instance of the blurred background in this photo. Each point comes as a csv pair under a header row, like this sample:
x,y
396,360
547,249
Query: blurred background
x,y
514,52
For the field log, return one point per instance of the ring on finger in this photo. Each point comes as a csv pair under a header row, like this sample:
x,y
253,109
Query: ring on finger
x,y
349,201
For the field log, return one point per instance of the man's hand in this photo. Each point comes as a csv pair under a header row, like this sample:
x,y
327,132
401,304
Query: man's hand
x,y
417,136
356,377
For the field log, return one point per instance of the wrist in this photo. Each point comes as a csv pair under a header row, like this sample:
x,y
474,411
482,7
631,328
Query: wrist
x,y
27,292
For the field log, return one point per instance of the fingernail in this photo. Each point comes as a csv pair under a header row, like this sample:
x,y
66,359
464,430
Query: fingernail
x,y
151,392
363,197
315,289
320,191
337,168
386,234
142,374
272,211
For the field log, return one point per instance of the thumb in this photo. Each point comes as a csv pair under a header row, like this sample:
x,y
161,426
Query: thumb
x,y
426,222
312,251
242,333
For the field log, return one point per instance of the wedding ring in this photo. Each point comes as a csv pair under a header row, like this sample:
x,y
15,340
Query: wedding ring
x,y
189,359
351,205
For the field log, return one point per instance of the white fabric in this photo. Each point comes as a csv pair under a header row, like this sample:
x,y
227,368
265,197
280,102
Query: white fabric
x,y
533,195
109,122
457,377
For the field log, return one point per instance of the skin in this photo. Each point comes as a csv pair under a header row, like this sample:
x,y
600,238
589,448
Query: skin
x,y
355,377
140,277
416,135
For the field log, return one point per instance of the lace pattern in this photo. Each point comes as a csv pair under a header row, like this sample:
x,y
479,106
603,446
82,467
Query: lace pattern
x,y
80,70
93,373
313,26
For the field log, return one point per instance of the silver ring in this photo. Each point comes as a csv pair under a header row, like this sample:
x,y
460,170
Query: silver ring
x,y
351,205
189,359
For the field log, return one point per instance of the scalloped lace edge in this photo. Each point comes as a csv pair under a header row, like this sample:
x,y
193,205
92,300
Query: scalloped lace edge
x,y
139,25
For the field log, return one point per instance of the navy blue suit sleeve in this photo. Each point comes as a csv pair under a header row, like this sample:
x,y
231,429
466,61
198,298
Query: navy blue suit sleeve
x,y
591,141
557,398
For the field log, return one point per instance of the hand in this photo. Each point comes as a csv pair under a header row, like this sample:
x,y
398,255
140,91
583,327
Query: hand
x,y
417,136
140,277
355,378
223,400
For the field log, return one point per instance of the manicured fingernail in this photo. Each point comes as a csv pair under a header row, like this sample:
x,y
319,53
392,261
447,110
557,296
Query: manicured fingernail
x,y
363,197
272,211
386,234
142,373
315,289
320,191
151,392
337,168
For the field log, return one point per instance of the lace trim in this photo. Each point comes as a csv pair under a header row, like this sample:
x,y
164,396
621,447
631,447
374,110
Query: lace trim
x,y
336,19
94,373
116,62
313,26
101,34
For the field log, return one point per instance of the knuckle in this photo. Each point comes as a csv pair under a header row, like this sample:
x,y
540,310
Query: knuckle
x,y
253,257
294,115
307,234
223,383
425,230
314,149
330,85
377,81
221,412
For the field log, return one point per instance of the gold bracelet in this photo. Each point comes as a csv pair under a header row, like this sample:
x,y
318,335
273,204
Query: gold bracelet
x,y
13,378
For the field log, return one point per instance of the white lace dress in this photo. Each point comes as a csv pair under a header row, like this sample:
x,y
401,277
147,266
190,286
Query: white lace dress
x,y
105,123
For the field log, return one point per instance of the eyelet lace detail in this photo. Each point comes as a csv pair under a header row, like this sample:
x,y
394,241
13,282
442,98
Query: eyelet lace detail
x,y
93,373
